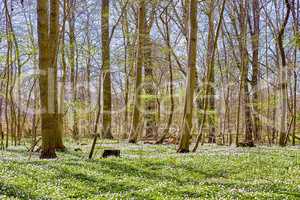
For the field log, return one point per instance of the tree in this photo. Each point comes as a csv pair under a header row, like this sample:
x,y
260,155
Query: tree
x,y
283,78
255,32
134,131
208,90
244,72
47,75
53,54
211,33
295,12
106,133
244,94
166,35
187,124
61,98
73,76
150,100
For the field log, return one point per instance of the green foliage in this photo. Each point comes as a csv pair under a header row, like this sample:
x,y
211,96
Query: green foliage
x,y
154,172
148,98
296,40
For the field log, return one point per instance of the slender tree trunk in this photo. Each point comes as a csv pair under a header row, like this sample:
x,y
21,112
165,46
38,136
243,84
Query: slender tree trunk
x,y
269,127
34,124
211,33
187,124
244,62
169,58
127,63
72,39
1,125
106,131
135,124
244,89
255,67
60,114
283,80
247,110
150,102
18,133
8,78
53,52
207,89
296,30
88,74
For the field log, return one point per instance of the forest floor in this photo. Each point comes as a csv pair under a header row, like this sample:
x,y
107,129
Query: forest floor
x,y
153,172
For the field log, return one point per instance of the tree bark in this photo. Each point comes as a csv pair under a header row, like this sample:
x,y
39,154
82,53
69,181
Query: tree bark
x,y
135,124
187,124
210,61
53,52
48,120
208,77
150,101
106,131
73,77
255,67
283,79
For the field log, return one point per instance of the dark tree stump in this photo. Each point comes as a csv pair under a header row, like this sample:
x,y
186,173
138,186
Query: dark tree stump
x,y
111,153
246,144
183,151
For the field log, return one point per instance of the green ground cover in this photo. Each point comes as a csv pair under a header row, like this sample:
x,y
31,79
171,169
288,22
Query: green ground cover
x,y
153,172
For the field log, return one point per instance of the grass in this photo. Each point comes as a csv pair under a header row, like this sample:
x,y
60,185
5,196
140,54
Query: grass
x,y
153,172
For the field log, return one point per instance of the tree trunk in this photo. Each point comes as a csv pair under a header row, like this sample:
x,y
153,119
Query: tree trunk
x,y
127,65
150,102
187,124
53,52
208,77
296,16
135,124
8,78
169,59
48,120
72,64
209,61
283,80
255,67
106,131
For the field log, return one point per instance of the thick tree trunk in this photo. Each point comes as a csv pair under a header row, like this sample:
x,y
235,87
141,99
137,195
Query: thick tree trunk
x,y
48,117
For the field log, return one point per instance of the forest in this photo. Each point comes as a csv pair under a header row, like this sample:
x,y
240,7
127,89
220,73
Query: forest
x,y
149,99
